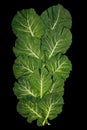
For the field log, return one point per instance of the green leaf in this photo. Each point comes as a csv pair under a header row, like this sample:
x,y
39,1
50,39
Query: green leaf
x,y
41,81
59,66
28,108
57,87
56,42
23,88
28,22
57,16
51,106
26,45
25,65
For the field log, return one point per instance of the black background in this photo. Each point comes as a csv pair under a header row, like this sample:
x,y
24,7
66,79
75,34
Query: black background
x,y
71,114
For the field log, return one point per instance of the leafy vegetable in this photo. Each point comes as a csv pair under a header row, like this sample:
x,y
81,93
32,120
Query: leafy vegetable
x,y
56,16
55,42
41,67
28,22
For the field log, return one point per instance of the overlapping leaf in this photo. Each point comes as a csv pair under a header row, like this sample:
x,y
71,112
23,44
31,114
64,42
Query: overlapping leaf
x,y
25,65
29,108
56,16
41,81
23,88
56,42
60,66
26,45
51,106
28,22
57,86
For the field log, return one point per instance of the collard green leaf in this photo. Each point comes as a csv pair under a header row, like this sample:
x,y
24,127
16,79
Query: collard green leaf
x,y
28,108
41,81
26,45
51,106
25,65
60,66
56,42
57,86
23,88
28,22
56,16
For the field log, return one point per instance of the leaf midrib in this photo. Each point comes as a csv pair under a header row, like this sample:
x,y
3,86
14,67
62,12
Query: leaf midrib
x,y
38,115
55,46
55,23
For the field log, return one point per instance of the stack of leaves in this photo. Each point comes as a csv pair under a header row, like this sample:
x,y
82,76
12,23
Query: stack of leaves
x,y
41,67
